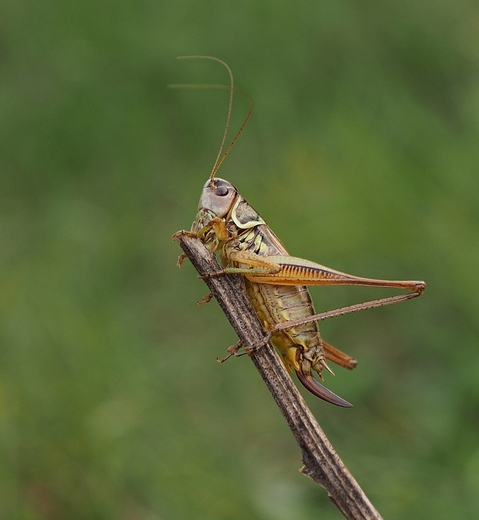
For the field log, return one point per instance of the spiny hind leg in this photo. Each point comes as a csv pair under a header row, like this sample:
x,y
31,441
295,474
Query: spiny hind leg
x,y
337,356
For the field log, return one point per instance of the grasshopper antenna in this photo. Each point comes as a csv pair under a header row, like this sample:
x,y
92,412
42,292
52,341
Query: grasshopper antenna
x,y
222,156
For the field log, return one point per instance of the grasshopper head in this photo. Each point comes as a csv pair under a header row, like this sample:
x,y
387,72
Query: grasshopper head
x,y
220,199
217,199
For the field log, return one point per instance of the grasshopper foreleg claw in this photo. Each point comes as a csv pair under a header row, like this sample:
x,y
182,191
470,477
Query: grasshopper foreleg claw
x,y
235,349
232,351
205,299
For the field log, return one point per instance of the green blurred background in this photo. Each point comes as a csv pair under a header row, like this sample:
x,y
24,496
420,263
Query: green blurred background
x,y
362,154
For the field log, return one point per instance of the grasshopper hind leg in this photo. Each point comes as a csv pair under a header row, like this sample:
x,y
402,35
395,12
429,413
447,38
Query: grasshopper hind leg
x,y
337,356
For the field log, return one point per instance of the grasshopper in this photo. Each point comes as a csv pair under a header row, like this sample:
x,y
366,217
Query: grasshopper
x,y
276,282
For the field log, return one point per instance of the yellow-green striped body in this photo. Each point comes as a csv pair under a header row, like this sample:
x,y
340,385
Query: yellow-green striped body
x,y
279,303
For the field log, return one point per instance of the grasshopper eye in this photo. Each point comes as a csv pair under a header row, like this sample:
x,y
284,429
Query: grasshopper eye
x,y
221,191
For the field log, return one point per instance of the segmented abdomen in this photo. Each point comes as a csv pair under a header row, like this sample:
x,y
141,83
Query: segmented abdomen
x,y
281,303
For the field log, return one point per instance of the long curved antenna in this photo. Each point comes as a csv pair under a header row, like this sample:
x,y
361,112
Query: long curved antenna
x,y
221,156
238,133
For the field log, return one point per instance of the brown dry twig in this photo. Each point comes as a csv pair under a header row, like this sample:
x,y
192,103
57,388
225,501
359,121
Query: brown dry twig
x,y
321,462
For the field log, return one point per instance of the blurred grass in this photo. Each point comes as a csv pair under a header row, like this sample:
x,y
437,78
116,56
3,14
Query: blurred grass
x,y
361,154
